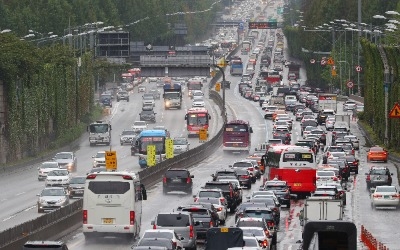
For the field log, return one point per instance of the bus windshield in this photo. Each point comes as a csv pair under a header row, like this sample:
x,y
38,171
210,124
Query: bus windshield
x,y
294,156
157,141
197,119
236,128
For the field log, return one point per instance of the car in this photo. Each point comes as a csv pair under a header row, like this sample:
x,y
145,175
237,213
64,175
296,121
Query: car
x,y
378,176
218,203
147,107
349,106
284,134
225,172
148,99
122,95
181,145
323,114
244,177
330,123
354,141
230,191
45,168
327,192
203,216
44,244
198,102
353,163
197,93
256,237
58,177
269,111
327,176
157,242
377,153
66,160
182,223
176,179
156,94
52,198
139,126
328,151
99,160
149,115
385,196
281,190
211,208
347,147
262,218
142,89
76,186
106,100
163,234
127,136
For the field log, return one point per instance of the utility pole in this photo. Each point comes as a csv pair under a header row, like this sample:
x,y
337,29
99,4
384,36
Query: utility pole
x,y
358,45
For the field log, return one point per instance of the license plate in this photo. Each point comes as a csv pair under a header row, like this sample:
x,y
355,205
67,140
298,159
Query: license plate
x,y
224,230
386,197
176,180
235,144
79,192
297,184
108,221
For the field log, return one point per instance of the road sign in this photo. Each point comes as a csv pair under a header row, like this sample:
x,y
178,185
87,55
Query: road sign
x,y
169,148
312,61
333,67
323,62
217,86
222,63
213,73
263,25
333,72
358,68
111,160
350,84
395,112
241,26
203,136
330,61
151,155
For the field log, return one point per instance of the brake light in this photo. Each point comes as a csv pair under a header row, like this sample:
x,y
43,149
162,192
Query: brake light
x,y
211,224
355,163
219,209
270,224
275,209
352,152
377,195
222,200
174,245
132,217
265,243
85,216
191,233
154,226
196,199
188,180
266,233
127,177
91,176
245,176
368,177
287,134
164,179
335,178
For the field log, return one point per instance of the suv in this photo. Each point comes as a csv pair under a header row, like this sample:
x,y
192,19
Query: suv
x,y
323,114
148,99
182,223
149,115
230,192
378,176
226,172
203,215
281,190
177,179
123,95
45,244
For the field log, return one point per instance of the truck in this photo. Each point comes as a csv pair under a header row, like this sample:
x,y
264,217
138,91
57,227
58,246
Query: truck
x,y
317,209
327,101
99,133
172,96
278,100
343,121
294,71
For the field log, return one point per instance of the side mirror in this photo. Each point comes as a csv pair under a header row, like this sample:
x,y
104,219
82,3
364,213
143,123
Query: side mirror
x,y
251,130
186,117
230,166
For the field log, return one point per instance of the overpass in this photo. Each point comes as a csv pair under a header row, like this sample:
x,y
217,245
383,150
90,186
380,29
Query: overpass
x,y
230,23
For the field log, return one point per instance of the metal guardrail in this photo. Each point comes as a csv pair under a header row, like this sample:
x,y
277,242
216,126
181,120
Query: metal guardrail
x,y
181,61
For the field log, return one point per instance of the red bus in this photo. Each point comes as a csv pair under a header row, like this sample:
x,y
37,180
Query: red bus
x,y
294,164
196,119
237,136
194,84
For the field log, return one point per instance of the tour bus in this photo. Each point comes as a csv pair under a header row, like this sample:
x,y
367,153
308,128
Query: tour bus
x,y
112,204
294,164
150,137
196,119
237,136
236,66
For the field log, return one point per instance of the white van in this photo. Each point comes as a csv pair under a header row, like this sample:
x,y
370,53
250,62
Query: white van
x,y
112,204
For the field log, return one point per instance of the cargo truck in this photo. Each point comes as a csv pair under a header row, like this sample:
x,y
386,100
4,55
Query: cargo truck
x,y
327,101
294,71
318,209
172,96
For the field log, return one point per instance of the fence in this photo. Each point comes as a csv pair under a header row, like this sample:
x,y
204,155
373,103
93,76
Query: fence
x,y
370,241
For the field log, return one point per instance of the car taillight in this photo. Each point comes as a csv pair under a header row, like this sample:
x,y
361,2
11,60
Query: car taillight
x,y
154,226
132,217
245,176
85,216
355,163
250,169
164,179
266,232
219,209
265,243
287,134
222,200
368,177
270,224
377,195
335,178
275,209
174,245
352,152
191,233
188,180
196,199
211,224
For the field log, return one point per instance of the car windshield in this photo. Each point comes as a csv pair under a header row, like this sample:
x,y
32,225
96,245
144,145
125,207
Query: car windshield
x,y
376,149
147,112
211,194
58,173
49,165
139,123
158,234
325,173
128,132
63,156
148,97
378,171
53,192
385,189
252,232
78,180
100,155
180,141
266,214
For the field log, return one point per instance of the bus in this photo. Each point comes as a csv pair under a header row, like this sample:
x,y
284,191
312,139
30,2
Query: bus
x,y
236,66
194,84
294,164
246,47
112,205
196,119
99,133
237,136
150,137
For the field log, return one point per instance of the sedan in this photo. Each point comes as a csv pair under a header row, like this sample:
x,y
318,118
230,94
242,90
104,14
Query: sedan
x,y
76,186
377,154
198,102
385,196
45,168
52,198
59,177
163,234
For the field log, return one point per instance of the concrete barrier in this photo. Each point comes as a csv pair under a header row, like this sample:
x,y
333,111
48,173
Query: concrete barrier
x,y
357,98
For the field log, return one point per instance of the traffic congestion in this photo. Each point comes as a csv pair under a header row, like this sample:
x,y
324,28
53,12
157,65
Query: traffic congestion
x,y
291,156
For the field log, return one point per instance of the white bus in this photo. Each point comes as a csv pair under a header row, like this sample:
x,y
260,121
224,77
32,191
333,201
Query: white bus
x,y
112,204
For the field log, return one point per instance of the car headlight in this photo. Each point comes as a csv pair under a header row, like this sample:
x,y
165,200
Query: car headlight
x,y
41,201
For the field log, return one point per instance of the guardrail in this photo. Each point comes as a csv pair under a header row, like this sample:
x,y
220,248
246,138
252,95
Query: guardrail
x,y
59,221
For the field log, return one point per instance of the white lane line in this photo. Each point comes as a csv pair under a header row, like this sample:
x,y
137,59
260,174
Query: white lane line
x,y
29,208
20,193
9,218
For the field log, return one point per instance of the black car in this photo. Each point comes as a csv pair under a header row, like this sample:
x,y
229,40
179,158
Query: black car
x,y
231,195
378,176
213,210
308,123
281,190
245,179
122,95
148,115
176,179
203,216
76,186
353,162
344,168
323,114
227,172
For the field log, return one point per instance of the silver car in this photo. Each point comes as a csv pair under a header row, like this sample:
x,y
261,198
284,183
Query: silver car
x,y
45,168
52,198
67,160
127,136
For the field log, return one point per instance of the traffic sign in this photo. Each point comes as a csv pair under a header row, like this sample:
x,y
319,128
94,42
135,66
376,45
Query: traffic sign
x,y
203,135
169,148
151,155
333,67
350,84
395,112
222,63
333,72
241,26
312,61
358,68
111,160
330,61
323,62
213,73
218,86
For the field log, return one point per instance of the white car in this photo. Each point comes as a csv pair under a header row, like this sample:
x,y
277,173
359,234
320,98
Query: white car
x,y
385,196
163,234
197,93
139,126
198,102
58,177
219,204
326,176
45,168
99,160
181,144
349,106
354,141
330,123
259,234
